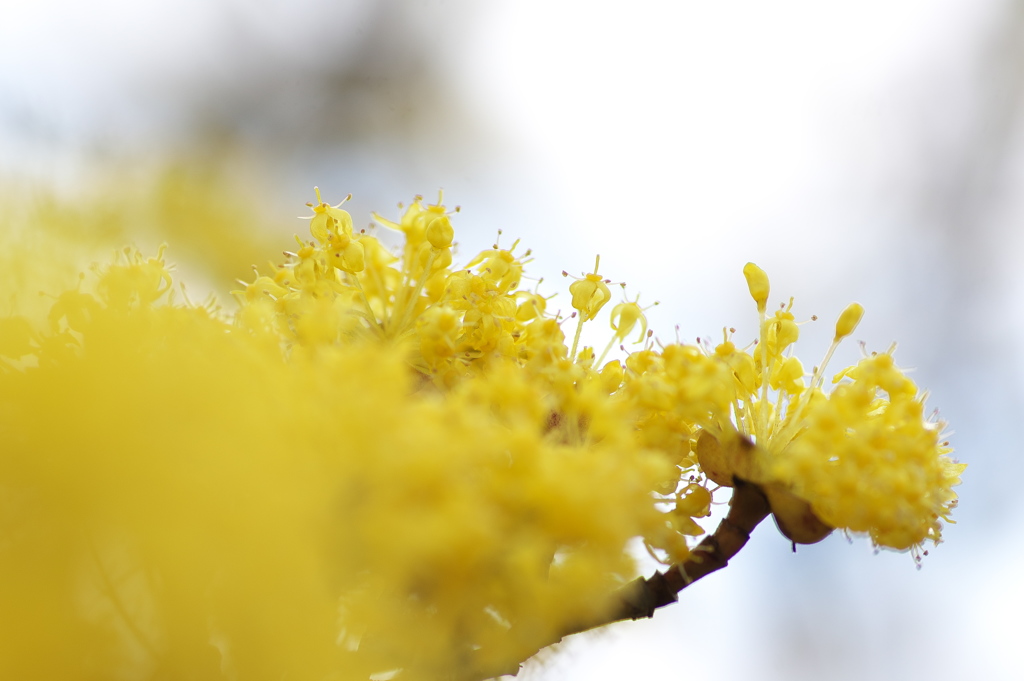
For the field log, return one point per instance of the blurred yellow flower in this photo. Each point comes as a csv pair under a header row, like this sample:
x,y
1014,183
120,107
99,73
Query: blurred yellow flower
x,y
380,462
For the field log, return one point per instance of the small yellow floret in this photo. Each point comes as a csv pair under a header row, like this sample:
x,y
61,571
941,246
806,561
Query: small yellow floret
x,y
328,220
624,317
590,294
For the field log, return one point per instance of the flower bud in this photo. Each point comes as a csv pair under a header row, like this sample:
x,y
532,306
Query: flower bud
x,y
757,282
849,320
440,232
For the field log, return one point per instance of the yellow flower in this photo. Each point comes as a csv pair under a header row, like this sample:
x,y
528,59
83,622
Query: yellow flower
x,y
383,461
624,318
863,456
869,461
328,220
590,293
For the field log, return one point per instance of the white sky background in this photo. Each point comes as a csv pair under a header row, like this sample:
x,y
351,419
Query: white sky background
x,y
679,140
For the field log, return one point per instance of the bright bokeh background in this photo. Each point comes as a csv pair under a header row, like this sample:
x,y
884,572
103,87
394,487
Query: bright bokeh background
x,y
868,152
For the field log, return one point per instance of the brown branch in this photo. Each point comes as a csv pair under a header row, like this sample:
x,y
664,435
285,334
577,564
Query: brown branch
x,y
641,597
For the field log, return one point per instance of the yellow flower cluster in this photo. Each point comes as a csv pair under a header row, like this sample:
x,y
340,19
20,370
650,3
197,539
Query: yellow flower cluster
x,y
462,323
863,458
383,462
